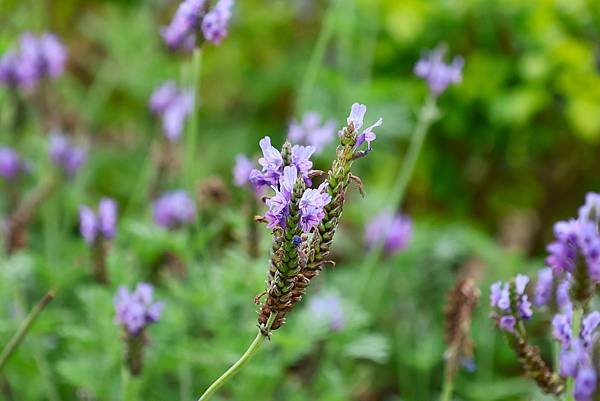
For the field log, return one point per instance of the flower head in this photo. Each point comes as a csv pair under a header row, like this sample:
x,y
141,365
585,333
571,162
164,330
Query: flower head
x,y
312,206
309,131
438,74
174,209
11,164
65,155
136,310
395,230
173,106
355,122
103,224
216,21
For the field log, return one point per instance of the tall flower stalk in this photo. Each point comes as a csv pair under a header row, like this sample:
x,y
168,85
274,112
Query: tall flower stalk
x,y
303,221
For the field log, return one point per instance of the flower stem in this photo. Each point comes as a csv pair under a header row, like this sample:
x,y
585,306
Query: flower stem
x,y
427,116
448,386
190,156
250,352
14,342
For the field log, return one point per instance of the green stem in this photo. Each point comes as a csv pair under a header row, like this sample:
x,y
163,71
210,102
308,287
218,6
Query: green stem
x,y
575,328
448,386
190,143
427,116
325,35
250,352
14,342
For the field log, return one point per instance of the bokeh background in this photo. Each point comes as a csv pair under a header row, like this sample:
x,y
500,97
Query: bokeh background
x,y
516,148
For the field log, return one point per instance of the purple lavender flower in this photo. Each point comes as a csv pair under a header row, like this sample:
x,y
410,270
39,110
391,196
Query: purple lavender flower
x,y
102,224
544,287
576,352
135,310
395,230
355,122
174,209
310,132
173,106
180,33
328,309
301,159
500,299
65,155
591,209
279,203
311,207
438,74
38,57
11,164
215,22
272,165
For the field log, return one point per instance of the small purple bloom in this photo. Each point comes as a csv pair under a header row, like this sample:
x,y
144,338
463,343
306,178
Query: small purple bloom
x,y
311,207
272,165
301,159
395,230
591,209
561,325
507,323
544,287
310,132
174,209
327,308
136,310
438,74
180,33
521,282
585,383
101,224
563,298
355,122
215,22
357,115
173,106
65,155
588,326
11,164
525,310
279,203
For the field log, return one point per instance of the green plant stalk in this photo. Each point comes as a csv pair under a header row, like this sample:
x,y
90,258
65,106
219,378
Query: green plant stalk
x,y
427,116
448,385
192,133
130,385
575,327
237,366
316,58
14,342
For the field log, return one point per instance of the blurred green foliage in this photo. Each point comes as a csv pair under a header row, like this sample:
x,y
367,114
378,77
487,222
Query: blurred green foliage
x,y
519,137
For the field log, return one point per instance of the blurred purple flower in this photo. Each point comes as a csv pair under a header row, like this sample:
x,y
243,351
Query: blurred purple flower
x,y
544,287
104,223
37,58
216,21
310,132
11,164
438,74
65,155
135,310
173,106
174,209
395,230
241,171
591,209
328,309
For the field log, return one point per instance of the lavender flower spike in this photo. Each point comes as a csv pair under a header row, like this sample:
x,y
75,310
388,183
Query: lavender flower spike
x,y
102,224
438,74
11,164
173,105
174,209
65,155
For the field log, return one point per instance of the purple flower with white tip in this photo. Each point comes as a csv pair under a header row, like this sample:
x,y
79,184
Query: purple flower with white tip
x,y
437,73
544,287
395,230
102,224
301,159
66,155
173,105
279,203
181,32
508,314
174,209
591,209
309,131
355,122
136,310
11,164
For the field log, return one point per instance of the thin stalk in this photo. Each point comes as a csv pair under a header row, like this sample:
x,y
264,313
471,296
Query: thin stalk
x,y
427,116
190,143
250,352
14,342
448,386
130,385
316,58
575,328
